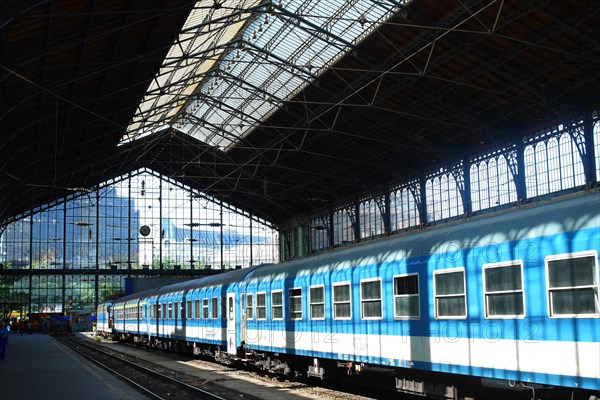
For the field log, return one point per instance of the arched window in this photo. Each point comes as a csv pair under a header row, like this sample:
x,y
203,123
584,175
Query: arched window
x,y
404,211
319,232
343,230
492,183
371,219
553,163
443,197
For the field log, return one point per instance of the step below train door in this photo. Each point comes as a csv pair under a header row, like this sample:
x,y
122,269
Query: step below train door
x,y
231,322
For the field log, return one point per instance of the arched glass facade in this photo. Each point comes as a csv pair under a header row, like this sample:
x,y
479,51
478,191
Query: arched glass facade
x,y
139,222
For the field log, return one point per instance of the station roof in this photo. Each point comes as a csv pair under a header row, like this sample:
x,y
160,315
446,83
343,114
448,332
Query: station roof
x,y
278,107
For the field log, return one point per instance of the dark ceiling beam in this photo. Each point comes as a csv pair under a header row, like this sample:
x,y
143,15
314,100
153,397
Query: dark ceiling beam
x,y
75,43
6,18
82,53
511,81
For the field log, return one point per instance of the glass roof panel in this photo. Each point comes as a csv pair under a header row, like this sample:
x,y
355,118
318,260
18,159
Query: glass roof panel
x,y
238,61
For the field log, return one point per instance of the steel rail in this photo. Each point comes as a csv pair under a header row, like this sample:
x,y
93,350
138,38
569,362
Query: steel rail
x,y
141,368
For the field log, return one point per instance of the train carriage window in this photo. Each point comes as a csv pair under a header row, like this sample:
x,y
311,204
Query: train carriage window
x,y
341,301
176,310
450,295
189,309
196,309
370,299
164,310
215,307
249,307
205,308
503,288
182,310
157,310
295,299
231,309
277,305
406,297
317,302
573,285
261,306
170,311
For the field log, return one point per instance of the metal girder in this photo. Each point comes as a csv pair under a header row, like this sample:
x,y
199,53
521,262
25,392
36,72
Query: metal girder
x,y
204,122
266,54
236,12
312,29
173,62
7,19
464,47
386,66
221,105
512,80
398,7
251,86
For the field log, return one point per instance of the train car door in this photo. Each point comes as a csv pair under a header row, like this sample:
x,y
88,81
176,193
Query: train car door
x,y
243,316
138,314
231,325
109,315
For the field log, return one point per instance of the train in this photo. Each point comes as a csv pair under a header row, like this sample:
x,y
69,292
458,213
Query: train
x,y
509,298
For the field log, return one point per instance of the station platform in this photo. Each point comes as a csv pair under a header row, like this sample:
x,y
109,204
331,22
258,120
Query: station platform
x,y
37,367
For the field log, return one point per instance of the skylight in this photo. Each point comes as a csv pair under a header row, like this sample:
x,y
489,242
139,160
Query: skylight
x,y
237,61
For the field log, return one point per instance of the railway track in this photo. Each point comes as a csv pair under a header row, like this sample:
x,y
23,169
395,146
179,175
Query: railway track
x,y
368,385
272,387
154,381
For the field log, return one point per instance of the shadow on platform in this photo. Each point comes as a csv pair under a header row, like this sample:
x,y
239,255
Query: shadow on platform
x,y
37,367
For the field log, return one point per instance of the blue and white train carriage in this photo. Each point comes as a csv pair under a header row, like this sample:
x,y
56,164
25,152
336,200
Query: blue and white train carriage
x,y
512,296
